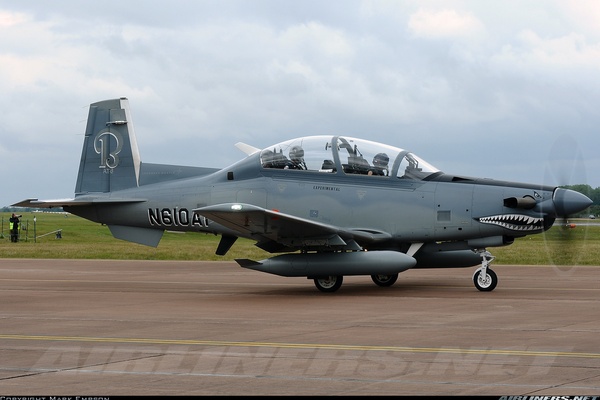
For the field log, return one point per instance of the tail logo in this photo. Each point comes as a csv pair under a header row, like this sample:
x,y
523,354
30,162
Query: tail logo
x,y
102,145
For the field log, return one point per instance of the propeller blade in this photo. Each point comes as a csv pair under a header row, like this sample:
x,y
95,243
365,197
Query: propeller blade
x,y
566,240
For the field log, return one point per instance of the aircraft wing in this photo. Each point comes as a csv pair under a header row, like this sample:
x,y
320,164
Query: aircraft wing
x,y
284,229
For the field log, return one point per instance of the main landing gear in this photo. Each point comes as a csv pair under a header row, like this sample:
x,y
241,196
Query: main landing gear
x,y
484,278
384,280
330,284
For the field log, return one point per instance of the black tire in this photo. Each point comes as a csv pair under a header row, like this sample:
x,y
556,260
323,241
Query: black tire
x,y
329,284
384,280
488,284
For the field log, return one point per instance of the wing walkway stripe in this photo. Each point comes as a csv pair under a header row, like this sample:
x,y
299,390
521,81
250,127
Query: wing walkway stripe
x,y
305,346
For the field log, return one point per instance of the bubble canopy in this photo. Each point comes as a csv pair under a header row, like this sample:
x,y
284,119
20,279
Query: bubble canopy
x,y
345,155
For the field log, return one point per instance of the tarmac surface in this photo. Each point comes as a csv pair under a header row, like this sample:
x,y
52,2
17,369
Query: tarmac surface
x,y
105,327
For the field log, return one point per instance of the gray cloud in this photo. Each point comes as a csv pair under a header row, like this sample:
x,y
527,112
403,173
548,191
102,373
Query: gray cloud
x,y
473,88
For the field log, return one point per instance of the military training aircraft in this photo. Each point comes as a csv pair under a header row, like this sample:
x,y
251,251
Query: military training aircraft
x,y
333,205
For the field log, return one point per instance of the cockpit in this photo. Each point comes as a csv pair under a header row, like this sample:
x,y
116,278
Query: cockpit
x,y
345,155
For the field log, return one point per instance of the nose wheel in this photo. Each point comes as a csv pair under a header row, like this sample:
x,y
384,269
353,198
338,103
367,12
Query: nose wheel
x,y
484,278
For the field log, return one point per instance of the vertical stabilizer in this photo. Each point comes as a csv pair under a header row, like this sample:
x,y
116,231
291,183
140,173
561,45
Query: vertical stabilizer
x,y
110,159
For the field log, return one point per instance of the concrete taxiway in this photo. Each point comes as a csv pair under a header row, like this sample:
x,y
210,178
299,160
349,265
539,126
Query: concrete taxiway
x,y
105,327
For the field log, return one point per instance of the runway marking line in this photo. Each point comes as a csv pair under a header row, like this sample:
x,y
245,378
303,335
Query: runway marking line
x,y
402,349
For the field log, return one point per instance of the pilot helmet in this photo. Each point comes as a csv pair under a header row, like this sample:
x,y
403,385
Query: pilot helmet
x,y
296,153
267,157
381,160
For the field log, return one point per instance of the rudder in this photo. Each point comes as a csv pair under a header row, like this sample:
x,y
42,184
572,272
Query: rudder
x,y
110,157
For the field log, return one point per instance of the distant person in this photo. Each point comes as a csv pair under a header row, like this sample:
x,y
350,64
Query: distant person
x,y
14,227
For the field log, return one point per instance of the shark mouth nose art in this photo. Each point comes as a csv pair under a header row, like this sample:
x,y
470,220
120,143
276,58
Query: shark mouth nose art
x,y
515,222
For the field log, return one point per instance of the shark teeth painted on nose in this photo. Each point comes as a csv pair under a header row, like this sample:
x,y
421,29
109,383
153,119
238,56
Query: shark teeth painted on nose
x,y
515,222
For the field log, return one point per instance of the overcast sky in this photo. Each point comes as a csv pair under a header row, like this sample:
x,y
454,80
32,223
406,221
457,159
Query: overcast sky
x,y
497,89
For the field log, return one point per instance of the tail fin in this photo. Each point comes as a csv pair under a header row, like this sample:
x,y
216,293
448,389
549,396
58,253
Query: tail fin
x,y
110,159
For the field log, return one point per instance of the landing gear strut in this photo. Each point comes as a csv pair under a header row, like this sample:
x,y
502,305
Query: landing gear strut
x,y
484,278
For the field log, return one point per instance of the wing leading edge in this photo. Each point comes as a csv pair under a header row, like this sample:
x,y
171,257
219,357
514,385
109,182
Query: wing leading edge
x,y
277,231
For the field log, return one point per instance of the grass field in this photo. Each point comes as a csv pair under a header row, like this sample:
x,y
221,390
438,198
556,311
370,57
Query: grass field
x,y
82,239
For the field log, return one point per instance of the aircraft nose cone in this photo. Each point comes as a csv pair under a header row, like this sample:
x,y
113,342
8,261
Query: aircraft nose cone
x,y
568,202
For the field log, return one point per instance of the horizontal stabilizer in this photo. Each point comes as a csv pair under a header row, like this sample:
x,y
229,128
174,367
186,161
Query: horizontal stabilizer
x,y
84,201
49,203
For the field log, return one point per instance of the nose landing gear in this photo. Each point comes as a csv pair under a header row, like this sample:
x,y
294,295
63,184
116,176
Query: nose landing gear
x,y
484,278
